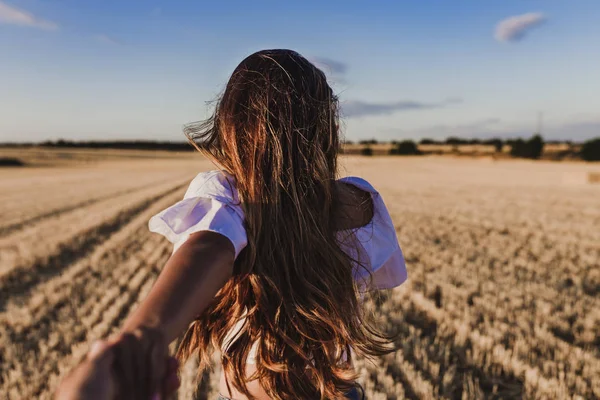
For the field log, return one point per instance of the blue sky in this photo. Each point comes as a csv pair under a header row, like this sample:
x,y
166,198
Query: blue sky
x,y
403,69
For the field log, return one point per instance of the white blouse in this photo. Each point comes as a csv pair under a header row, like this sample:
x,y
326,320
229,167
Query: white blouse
x,y
211,203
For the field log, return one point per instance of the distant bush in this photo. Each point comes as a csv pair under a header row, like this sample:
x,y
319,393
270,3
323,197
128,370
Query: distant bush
x,y
406,147
456,141
369,141
366,151
428,141
517,147
10,162
497,143
535,146
590,151
531,148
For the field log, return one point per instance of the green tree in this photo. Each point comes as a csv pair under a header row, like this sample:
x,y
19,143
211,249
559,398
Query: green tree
x,y
532,148
406,147
366,151
535,147
590,151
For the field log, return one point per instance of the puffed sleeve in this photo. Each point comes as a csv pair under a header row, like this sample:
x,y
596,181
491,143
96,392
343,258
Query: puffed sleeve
x,y
211,203
378,243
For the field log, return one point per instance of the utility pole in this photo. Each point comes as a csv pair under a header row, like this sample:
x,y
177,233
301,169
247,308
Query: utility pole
x,y
540,122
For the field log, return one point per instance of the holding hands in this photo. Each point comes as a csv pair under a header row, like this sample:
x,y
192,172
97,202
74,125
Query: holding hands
x,y
134,365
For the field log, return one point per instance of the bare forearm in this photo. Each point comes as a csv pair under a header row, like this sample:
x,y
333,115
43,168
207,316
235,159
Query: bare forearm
x,y
186,286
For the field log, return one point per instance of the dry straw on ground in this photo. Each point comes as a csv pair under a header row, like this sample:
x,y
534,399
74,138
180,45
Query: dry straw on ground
x,y
503,299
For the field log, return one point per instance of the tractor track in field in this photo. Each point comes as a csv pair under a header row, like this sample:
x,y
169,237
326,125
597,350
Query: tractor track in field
x,y
8,229
21,279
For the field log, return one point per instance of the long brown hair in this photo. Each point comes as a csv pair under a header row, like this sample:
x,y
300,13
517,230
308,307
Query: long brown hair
x,y
275,129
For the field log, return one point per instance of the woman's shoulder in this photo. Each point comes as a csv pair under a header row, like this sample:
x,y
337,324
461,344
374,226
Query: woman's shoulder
x,y
221,183
366,200
209,204
379,241
360,183
216,184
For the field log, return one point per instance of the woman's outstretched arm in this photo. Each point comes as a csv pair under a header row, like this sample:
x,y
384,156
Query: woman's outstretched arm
x,y
186,286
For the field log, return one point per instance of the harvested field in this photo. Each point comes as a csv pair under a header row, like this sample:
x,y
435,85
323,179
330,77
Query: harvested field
x,y
503,297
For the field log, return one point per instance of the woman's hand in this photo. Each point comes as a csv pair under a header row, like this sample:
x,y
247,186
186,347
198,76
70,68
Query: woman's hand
x,y
134,365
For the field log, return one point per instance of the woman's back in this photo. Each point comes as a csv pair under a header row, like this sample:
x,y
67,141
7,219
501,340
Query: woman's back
x,y
212,203
354,209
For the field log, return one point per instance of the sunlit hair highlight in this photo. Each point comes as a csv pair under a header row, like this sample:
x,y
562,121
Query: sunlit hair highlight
x,y
275,130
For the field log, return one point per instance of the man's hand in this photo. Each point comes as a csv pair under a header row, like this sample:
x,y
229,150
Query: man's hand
x,y
134,365
142,365
93,379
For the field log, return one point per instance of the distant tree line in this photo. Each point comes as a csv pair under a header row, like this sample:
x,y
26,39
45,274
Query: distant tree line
x,y
531,148
368,142
405,148
426,141
122,144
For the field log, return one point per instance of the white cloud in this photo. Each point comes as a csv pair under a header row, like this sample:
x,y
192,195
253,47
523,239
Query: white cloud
x,y
515,28
359,108
13,16
333,66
